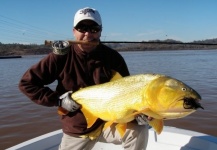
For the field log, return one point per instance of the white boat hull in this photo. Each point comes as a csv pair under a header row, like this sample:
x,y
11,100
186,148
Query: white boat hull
x,y
170,139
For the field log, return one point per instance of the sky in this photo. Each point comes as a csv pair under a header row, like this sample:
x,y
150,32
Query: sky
x,y
33,22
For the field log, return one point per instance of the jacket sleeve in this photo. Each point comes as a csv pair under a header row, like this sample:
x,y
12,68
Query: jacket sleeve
x,y
33,82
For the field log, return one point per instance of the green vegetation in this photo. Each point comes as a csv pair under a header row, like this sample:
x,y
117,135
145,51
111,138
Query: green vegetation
x,y
168,44
21,49
33,49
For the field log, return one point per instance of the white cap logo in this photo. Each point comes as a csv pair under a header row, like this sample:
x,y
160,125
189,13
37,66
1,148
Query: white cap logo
x,y
87,14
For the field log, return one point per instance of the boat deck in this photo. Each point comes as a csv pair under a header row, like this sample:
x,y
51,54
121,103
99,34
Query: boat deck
x,y
170,139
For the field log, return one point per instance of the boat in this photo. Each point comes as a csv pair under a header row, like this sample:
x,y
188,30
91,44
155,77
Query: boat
x,y
170,139
7,57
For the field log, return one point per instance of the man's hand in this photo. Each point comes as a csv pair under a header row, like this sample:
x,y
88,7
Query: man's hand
x,y
143,119
66,102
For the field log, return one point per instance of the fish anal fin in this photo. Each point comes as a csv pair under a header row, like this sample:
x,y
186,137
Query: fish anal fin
x,y
115,75
147,112
121,128
107,124
90,118
157,125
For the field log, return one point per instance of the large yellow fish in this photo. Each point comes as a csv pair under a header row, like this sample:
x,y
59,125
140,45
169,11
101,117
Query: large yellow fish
x,y
119,101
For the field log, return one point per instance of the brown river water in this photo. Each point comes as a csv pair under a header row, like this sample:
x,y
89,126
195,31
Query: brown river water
x,y
21,119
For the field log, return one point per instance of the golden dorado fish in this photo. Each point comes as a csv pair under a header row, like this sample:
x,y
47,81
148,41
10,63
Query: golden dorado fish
x,y
119,101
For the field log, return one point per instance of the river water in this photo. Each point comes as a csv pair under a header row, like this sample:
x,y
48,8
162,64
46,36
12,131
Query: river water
x,y
21,119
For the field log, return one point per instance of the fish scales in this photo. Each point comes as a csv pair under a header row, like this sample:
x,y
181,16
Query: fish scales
x,y
114,99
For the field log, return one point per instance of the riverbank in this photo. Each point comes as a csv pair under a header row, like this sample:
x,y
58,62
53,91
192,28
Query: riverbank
x,y
8,57
33,49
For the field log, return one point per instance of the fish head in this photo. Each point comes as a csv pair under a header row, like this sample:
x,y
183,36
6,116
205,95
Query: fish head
x,y
171,98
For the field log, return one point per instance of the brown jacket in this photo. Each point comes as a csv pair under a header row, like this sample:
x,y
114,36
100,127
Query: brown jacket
x,y
72,71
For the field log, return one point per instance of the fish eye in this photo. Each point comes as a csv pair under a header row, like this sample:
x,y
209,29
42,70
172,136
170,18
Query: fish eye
x,y
184,89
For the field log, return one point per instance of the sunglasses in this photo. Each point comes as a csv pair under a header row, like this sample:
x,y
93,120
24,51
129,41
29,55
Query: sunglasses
x,y
88,28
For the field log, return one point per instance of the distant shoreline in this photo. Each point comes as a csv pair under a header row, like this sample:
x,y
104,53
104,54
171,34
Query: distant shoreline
x,y
22,52
9,57
157,45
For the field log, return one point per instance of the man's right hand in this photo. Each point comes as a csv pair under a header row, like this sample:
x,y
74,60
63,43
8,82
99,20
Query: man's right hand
x,y
66,102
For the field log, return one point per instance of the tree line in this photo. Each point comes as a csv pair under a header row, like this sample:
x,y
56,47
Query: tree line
x,y
169,44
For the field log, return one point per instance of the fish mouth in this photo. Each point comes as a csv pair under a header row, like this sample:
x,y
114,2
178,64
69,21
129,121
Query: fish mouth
x,y
191,103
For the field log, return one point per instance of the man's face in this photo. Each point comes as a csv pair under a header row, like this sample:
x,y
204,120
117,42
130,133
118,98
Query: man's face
x,y
87,30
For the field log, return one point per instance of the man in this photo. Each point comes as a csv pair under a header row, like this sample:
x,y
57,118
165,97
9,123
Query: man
x,y
75,67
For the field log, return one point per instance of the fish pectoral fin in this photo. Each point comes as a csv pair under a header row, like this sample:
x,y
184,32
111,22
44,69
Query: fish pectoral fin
x,y
121,127
147,112
90,118
136,113
157,125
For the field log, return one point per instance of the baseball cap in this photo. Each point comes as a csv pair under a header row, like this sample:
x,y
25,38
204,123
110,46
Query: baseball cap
x,y
87,13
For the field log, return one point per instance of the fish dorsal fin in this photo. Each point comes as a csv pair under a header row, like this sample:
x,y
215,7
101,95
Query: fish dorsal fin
x,y
121,127
90,118
115,75
157,125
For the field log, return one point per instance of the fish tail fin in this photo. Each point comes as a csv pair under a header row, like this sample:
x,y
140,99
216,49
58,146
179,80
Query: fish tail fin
x,y
157,125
